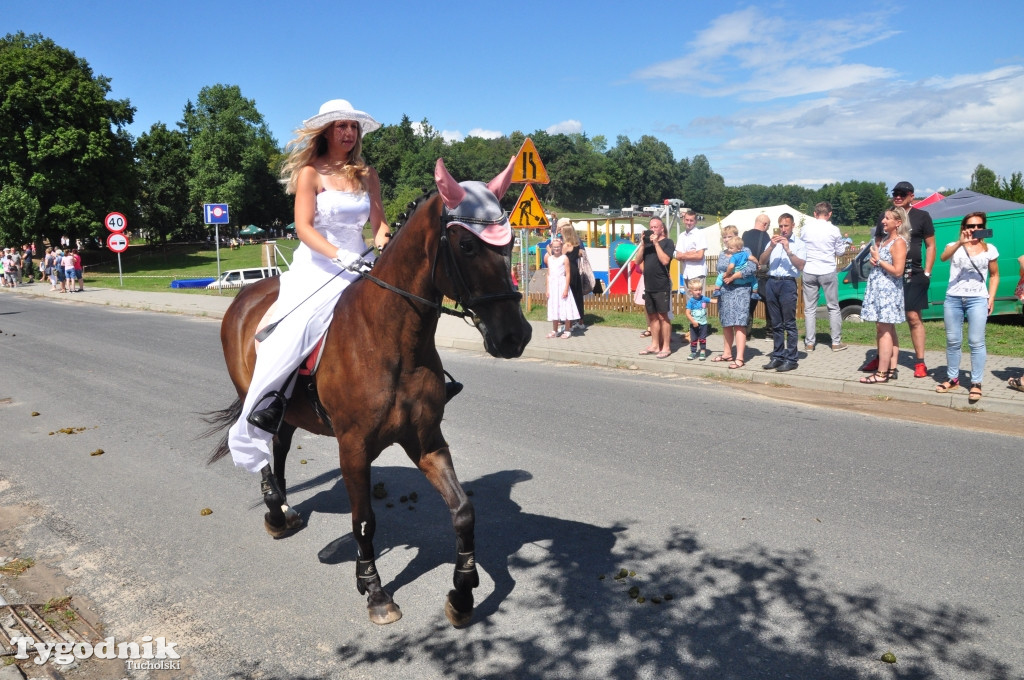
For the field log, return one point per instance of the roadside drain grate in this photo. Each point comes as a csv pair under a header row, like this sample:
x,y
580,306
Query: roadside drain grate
x,y
21,620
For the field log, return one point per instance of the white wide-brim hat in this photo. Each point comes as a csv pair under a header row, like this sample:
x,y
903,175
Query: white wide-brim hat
x,y
341,109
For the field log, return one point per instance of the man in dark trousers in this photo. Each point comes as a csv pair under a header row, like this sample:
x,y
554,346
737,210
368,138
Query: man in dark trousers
x,y
917,274
656,253
784,259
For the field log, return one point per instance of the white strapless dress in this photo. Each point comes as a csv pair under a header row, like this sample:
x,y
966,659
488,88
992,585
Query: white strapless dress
x,y
305,306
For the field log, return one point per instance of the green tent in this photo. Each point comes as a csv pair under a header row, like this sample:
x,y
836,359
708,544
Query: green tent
x,y
251,230
290,227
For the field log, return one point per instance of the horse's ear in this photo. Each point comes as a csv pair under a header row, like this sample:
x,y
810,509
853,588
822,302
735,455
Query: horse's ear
x,y
499,185
451,193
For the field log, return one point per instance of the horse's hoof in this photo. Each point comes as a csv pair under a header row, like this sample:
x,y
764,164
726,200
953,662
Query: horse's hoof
x,y
455,617
385,613
292,523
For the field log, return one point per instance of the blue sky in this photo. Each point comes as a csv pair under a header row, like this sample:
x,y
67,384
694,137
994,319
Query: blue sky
x,y
786,92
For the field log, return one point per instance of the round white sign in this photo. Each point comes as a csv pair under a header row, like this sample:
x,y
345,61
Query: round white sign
x,y
115,222
117,243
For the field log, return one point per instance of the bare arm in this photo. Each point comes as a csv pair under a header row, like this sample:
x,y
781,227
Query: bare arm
x,y
929,254
379,226
993,283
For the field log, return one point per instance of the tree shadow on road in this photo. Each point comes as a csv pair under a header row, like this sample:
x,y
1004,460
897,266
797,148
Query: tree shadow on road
x,y
755,612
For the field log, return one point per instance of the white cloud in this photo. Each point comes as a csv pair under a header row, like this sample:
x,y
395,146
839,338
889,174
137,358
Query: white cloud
x,y
809,111
755,57
484,134
566,127
932,131
450,136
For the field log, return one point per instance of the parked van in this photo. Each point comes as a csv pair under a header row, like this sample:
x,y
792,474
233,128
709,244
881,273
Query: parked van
x,y
236,278
1007,236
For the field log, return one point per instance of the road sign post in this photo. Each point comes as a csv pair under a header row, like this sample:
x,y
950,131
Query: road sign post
x,y
118,243
528,213
216,214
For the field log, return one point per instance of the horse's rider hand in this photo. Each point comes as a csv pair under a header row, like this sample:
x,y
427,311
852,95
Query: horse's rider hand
x,y
346,259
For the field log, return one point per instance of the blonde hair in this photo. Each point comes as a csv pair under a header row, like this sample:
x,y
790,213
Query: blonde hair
x,y
310,144
901,214
734,243
730,230
570,236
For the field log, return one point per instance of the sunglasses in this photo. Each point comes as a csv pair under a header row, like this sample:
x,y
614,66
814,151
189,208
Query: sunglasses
x,y
975,225
899,194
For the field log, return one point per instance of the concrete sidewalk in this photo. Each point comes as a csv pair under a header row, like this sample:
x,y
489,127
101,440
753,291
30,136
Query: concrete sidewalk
x,y
821,370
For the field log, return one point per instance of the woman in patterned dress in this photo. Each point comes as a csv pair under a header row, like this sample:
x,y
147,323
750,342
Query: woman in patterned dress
x,y
883,299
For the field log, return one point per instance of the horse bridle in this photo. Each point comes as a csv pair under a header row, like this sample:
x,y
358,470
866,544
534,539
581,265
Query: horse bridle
x,y
454,273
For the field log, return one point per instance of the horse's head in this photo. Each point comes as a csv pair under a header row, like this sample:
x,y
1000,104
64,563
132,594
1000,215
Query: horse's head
x,y
476,247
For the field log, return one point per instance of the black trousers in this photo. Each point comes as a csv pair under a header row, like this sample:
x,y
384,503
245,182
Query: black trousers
x,y
780,298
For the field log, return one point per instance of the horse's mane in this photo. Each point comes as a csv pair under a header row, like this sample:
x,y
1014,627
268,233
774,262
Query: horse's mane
x,y
410,209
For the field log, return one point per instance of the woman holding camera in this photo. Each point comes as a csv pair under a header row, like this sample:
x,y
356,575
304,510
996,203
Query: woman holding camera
x,y
971,262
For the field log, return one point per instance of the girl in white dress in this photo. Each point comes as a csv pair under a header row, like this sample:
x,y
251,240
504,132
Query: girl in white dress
x,y
561,305
335,193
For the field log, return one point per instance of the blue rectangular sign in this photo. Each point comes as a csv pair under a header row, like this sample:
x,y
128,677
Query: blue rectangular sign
x,y
215,213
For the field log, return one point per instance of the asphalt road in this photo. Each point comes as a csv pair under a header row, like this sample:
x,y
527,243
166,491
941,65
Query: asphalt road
x,y
794,541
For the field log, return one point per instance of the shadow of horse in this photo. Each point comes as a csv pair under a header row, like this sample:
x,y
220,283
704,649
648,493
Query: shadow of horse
x,y
417,523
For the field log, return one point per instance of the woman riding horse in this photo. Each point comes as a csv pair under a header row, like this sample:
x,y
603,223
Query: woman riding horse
x,y
381,380
335,191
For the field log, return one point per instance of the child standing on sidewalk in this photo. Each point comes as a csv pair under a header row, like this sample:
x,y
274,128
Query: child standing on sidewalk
x,y
561,305
697,312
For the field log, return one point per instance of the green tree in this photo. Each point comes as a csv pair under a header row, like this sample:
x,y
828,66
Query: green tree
x,y
984,181
66,159
704,189
232,159
162,166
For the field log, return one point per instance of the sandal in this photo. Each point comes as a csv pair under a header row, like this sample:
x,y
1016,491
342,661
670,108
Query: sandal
x,y
737,364
565,335
875,379
663,355
974,396
552,334
721,358
894,373
942,388
1015,384
645,334
648,351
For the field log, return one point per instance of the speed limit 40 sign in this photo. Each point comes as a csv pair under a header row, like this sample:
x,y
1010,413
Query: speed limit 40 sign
x,y
115,222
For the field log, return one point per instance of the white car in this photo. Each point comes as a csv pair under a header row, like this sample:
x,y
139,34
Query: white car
x,y
236,278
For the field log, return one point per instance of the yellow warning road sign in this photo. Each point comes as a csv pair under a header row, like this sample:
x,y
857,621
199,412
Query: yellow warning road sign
x,y
528,167
528,213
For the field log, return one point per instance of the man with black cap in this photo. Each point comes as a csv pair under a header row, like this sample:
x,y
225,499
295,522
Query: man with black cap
x,y
917,274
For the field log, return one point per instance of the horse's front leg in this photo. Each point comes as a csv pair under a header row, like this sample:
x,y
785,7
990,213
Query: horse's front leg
x,y
381,606
438,468
281,519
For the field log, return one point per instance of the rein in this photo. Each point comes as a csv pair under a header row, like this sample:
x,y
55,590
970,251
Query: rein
x,y
454,272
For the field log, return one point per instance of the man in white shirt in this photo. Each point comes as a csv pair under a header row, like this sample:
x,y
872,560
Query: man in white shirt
x,y
690,251
822,243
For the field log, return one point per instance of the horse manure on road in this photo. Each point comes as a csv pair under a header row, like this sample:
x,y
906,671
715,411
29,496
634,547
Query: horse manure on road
x,y
205,511
889,657
35,413
379,490
97,452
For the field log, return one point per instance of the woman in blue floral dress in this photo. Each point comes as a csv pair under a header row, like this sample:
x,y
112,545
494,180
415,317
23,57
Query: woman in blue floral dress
x,y
883,299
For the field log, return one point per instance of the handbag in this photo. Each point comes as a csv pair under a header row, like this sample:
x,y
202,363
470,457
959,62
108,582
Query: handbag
x,y
586,273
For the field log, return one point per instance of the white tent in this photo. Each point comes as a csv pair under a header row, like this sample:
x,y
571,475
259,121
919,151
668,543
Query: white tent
x,y
744,220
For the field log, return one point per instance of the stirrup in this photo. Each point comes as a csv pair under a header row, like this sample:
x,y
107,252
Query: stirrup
x,y
451,387
271,416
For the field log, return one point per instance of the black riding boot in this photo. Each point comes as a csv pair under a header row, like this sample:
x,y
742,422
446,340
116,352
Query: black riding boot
x,y
451,387
271,416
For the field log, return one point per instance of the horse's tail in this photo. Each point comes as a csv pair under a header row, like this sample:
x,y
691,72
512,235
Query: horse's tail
x,y
218,421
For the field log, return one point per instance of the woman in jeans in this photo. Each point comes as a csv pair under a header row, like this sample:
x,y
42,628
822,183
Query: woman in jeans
x,y
972,261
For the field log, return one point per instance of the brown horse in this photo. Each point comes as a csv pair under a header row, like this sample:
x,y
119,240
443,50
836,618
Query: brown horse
x,y
380,379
